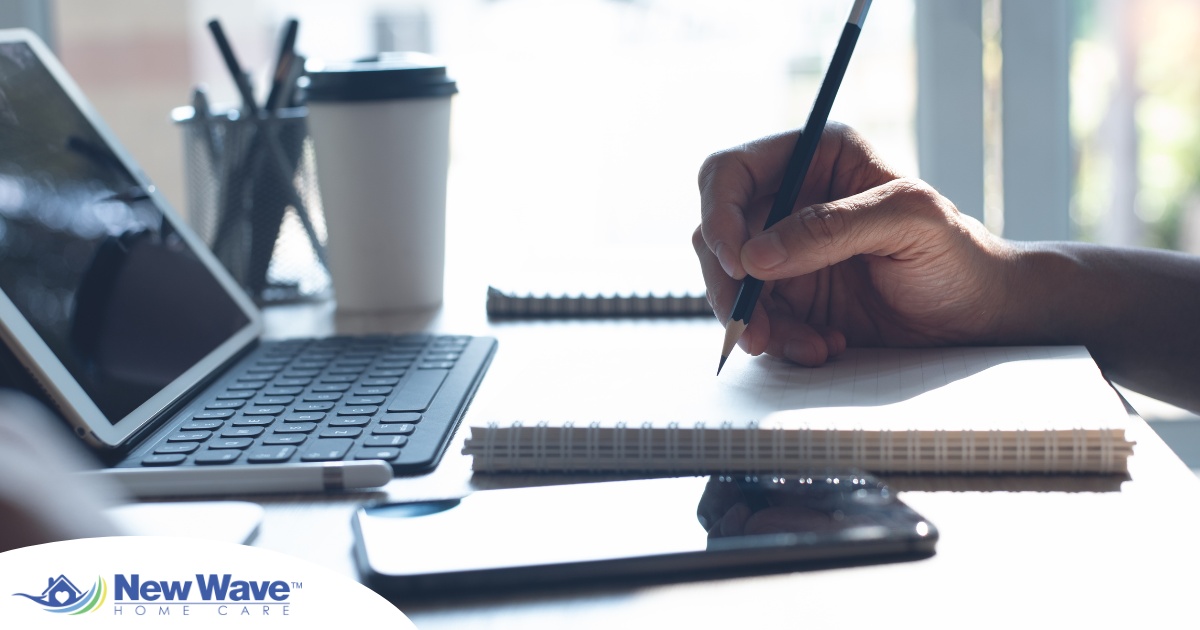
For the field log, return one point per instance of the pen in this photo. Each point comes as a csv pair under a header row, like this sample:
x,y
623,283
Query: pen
x,y
235,68
199,480
797,168
202,117
283,66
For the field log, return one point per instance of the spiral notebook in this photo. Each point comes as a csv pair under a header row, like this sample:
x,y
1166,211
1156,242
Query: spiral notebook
x,y
950,410
622,282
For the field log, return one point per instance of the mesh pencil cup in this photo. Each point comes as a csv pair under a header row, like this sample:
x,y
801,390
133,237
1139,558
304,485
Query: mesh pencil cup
x,y
252,197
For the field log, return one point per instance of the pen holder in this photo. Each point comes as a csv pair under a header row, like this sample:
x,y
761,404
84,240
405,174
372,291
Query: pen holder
x,y
252,197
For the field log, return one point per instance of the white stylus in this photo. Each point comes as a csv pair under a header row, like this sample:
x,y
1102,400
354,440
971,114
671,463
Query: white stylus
x,y
265,478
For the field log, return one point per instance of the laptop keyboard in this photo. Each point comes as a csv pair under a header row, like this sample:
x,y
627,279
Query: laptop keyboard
x,y
391,398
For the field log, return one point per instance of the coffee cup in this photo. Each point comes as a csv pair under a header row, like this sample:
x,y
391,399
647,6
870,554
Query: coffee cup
x,y
381,137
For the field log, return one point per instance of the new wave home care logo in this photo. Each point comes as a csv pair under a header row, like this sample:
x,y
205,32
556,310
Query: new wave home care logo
x,y
137,582
62,596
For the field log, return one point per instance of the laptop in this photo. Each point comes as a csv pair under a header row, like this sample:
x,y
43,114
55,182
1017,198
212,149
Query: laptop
x,y
145,344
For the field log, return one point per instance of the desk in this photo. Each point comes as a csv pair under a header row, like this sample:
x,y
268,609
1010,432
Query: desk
x,y
1068,554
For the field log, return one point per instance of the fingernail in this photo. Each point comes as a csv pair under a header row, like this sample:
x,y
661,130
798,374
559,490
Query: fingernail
x,y
765,250
725,257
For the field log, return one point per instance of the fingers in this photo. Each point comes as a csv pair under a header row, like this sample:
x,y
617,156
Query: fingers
x,y
731,183
888,220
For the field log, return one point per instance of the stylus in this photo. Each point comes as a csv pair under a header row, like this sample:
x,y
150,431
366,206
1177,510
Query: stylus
x,y
265,478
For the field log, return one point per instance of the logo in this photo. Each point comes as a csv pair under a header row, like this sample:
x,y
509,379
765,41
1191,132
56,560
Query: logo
x,y
62,596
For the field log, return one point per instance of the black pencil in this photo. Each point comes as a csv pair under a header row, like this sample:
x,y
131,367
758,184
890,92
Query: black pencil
x,y
797,168
283,66
235,68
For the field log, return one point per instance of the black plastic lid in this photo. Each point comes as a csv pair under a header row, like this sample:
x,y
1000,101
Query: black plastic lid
x,y
388,76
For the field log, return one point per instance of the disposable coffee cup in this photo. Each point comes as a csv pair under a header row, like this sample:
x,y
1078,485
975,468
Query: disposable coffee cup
x,y
381,136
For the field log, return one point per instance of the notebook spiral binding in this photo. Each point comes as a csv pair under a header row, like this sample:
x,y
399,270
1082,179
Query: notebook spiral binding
x,y
501,304
776,450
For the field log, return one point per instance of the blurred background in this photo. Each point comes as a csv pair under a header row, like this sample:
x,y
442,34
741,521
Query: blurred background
x,y
1046,119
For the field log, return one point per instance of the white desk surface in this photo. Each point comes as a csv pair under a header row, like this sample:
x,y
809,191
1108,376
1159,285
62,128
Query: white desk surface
x,y
1067,553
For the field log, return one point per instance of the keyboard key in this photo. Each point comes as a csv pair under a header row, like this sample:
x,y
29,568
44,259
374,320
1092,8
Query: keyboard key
x,y
272,410
299,427
261,372
202,425
407,416
353,367
436,365
248,385
326,450
341,432
394,429
270,454
323,396
213,414
284,438
224,443
190,436
178,447
418,391
331,387
385,440
365,410
350,421
226,404
253,421
314,406
339,378
442,356
267,401
282,391
373,391
386,454
301,372
208,458
173,459
356,401
291,382
240,432
307,416
386,373
236,394
378,382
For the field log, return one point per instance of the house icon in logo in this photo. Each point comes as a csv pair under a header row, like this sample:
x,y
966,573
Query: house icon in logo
x,y
61,595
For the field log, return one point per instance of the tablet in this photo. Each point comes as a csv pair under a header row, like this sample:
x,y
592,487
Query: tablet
x,y
677,528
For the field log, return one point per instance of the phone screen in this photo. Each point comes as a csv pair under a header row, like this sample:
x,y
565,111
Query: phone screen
x,y
648,528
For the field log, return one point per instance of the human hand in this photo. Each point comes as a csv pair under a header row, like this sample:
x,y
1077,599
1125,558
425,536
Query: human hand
x,y
869,258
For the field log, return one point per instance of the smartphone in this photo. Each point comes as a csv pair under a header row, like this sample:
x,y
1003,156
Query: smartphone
x,y
655,529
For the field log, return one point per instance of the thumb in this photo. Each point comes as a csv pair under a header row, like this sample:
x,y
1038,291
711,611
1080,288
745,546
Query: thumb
x,y
888,220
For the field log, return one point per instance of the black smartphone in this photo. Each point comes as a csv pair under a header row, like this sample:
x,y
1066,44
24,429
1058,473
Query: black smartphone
x,y
652,529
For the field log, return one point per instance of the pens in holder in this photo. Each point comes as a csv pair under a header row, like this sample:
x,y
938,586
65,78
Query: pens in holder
x,y
235,69
202,116
280,89
797,169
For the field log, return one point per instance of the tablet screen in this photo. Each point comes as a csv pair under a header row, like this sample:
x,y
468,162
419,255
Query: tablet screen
x,y
86,255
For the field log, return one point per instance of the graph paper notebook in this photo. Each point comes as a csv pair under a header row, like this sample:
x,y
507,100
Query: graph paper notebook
x,y
947,410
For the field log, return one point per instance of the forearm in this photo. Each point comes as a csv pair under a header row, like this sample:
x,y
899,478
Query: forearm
x,y
1136,310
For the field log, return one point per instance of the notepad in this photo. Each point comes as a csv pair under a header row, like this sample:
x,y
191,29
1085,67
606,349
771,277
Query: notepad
x,y
621,282
946,410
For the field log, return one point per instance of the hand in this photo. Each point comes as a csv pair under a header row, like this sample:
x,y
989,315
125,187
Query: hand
x,y
869,258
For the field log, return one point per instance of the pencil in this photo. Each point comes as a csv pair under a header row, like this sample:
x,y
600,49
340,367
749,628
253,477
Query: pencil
x,y
283,66
235,68
797,168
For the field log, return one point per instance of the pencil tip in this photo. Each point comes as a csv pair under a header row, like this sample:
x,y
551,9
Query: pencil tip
x,y
722,364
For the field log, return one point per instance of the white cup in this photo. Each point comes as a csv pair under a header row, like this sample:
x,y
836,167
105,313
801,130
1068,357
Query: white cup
x,y
381,135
